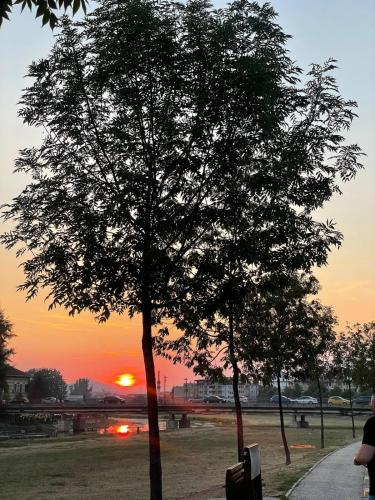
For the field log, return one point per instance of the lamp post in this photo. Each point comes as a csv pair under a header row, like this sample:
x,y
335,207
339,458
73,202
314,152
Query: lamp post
x,y
349,381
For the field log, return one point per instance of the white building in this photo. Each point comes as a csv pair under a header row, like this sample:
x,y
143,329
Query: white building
x,y
17,382
200,389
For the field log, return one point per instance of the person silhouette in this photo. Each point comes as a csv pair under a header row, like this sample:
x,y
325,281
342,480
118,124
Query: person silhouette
x,y
366,453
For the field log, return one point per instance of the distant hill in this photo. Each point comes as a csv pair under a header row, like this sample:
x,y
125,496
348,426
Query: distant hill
x,y
102,389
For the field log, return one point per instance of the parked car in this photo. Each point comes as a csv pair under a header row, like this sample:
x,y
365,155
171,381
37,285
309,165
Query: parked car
x,y
19,399
50,400
306,400
284,400
243,400
114,400
338,401
214,400
362,401
195,400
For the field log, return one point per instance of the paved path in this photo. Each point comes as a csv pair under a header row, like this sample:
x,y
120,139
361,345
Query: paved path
x,y
334,478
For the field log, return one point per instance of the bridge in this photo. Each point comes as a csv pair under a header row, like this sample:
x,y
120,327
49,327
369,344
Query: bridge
x,y
73,408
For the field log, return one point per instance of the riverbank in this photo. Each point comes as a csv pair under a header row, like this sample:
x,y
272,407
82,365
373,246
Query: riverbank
x,y
194,460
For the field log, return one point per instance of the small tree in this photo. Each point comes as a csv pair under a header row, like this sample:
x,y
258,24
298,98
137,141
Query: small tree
x,y
293,336
363,347
347,353
279,322
6,334
81,387
211,343
318,344
46,382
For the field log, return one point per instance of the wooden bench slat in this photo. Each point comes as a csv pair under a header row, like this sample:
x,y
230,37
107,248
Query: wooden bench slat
x,y
236,467
243,481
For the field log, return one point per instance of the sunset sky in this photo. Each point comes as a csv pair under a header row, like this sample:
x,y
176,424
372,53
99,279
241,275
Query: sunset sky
x,y
79,347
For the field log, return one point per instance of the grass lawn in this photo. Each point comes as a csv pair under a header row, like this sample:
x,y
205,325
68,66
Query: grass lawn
x,y
194,461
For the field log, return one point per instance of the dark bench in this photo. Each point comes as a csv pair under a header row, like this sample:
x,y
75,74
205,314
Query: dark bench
x,y
243,481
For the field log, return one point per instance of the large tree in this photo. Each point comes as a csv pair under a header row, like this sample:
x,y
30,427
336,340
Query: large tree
x,y
153,112
147,107
6,333
268,231
46,382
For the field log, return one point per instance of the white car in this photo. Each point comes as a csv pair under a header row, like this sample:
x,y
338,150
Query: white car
x,y
306,400
50,399
243,400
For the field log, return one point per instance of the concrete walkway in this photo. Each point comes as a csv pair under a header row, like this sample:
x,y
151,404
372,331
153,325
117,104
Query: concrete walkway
x,y
334,478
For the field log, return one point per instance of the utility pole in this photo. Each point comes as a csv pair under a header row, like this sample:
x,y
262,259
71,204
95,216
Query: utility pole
x,y
165,392
186,390
158,385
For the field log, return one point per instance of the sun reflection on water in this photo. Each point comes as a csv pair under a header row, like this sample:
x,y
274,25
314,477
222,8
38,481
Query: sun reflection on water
x,y
123,429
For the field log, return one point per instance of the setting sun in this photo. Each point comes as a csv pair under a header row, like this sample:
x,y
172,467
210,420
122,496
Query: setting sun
x,y
125,380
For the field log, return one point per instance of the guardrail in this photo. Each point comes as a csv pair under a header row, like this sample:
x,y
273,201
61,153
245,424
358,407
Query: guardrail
x,y
186,408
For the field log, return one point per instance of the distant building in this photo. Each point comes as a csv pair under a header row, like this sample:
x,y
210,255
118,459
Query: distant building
x,y
200,389
17,381
285,383
291,383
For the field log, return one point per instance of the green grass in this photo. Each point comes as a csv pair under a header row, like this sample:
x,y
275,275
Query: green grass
x,y
194,460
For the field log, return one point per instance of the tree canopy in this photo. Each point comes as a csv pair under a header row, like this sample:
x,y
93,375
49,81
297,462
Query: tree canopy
x,y
6,334
46,382
165,126
81,387
354,355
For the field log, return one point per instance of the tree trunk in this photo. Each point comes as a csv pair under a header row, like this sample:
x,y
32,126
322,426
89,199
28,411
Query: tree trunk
x,y
152,408
282,427
235,381
351,408
322,444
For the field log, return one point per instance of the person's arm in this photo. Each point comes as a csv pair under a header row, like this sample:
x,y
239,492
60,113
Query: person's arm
x,y
365,455
367,450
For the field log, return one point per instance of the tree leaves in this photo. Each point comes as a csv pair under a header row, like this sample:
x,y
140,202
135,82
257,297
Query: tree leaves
x,y
182,157
46,8
46,382
6,334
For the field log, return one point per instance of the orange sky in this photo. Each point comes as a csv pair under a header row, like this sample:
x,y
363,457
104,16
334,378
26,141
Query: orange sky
x,y
79,347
